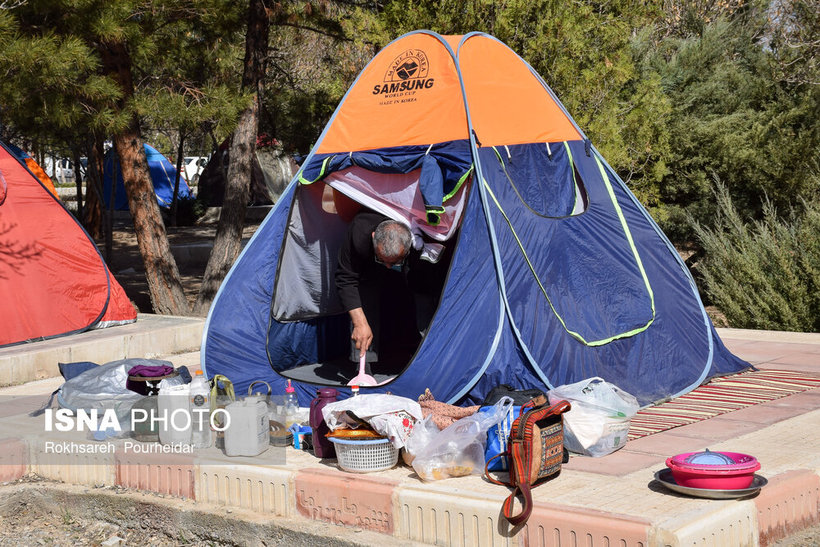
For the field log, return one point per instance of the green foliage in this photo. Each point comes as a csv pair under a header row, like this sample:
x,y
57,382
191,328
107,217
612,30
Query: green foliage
x,y
732,115
763,274
50,82
792,36
316,52
191,83
184,58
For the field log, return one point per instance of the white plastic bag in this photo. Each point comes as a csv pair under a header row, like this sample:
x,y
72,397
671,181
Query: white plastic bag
x,y
389,415
422,434
458,450
598,423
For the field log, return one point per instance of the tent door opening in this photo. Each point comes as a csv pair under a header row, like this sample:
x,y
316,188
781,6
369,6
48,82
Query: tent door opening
x,y
309,330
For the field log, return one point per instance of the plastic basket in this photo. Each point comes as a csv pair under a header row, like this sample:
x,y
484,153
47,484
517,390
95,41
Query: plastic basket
x,y
366,455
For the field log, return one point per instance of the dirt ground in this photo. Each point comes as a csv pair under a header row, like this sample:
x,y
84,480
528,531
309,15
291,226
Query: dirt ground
x,y
42,518
34,511
810,537
127,266
38,512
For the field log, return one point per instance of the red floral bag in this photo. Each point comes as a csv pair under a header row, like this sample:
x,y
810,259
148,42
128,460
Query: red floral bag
x,y
535,452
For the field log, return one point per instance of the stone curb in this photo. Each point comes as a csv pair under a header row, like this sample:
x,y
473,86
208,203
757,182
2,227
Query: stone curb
x,y
421,512
769,336
149,337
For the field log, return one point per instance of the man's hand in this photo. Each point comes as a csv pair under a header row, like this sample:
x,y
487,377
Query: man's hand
x,y
362,334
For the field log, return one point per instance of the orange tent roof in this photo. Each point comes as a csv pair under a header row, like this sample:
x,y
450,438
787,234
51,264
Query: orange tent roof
x,y
411,94
508,103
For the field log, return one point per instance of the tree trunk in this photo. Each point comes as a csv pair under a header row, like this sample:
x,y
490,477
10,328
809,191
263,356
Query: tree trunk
x,y
175,198
227,242
108,209
94,191
164,285
78,181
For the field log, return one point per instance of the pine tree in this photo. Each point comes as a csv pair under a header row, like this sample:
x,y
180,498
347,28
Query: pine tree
x,y
243,148
735,116
91,66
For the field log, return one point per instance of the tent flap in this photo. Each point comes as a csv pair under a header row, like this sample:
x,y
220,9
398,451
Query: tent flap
x,y
444,167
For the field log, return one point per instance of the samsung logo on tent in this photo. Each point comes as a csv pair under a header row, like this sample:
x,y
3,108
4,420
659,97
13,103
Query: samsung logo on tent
x,y
397,87
407,72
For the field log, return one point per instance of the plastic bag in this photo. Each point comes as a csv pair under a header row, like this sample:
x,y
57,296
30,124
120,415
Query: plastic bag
x,y
101,388
389,415
422,434
498,437
598,423
458,450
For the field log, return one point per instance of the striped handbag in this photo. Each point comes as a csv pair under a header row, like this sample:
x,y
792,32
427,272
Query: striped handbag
x,y
535,451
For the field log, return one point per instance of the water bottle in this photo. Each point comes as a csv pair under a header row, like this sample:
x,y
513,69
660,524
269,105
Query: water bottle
x,y
322,447
200,411
222,394
291,405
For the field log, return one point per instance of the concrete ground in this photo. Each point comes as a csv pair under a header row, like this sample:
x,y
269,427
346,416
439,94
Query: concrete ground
x,y
613,500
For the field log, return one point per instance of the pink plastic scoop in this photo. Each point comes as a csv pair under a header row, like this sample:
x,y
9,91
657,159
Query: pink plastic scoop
x,y
362,379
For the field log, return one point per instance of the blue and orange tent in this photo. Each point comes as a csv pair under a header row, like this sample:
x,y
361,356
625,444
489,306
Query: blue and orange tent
x,y
557,273
53,280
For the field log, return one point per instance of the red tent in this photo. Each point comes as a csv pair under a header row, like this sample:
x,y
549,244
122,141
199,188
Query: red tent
x,y
53,280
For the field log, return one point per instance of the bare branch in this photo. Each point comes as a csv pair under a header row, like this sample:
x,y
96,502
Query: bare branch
x,y
11,4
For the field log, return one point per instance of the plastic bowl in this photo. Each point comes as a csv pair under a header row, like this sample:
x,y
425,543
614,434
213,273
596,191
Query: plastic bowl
x,y
712,470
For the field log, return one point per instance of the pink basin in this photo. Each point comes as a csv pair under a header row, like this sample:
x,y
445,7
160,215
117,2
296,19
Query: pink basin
x,y
713,470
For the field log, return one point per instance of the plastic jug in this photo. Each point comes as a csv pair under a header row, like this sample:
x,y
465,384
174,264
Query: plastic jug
x,y
200,411
247,433
322,447
146,430
174,411
261,396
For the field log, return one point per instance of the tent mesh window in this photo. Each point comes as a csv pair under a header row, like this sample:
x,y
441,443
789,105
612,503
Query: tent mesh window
x,y
544,177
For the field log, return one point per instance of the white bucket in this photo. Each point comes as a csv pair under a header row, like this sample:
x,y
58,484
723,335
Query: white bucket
x,y
247,433
173,406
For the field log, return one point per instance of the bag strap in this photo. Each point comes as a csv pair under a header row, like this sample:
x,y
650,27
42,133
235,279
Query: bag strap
x,y
487,470
526,507
560,407
532,403
519,473
520,458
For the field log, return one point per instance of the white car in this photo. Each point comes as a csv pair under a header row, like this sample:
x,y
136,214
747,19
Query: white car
x,y
61,170
193,166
